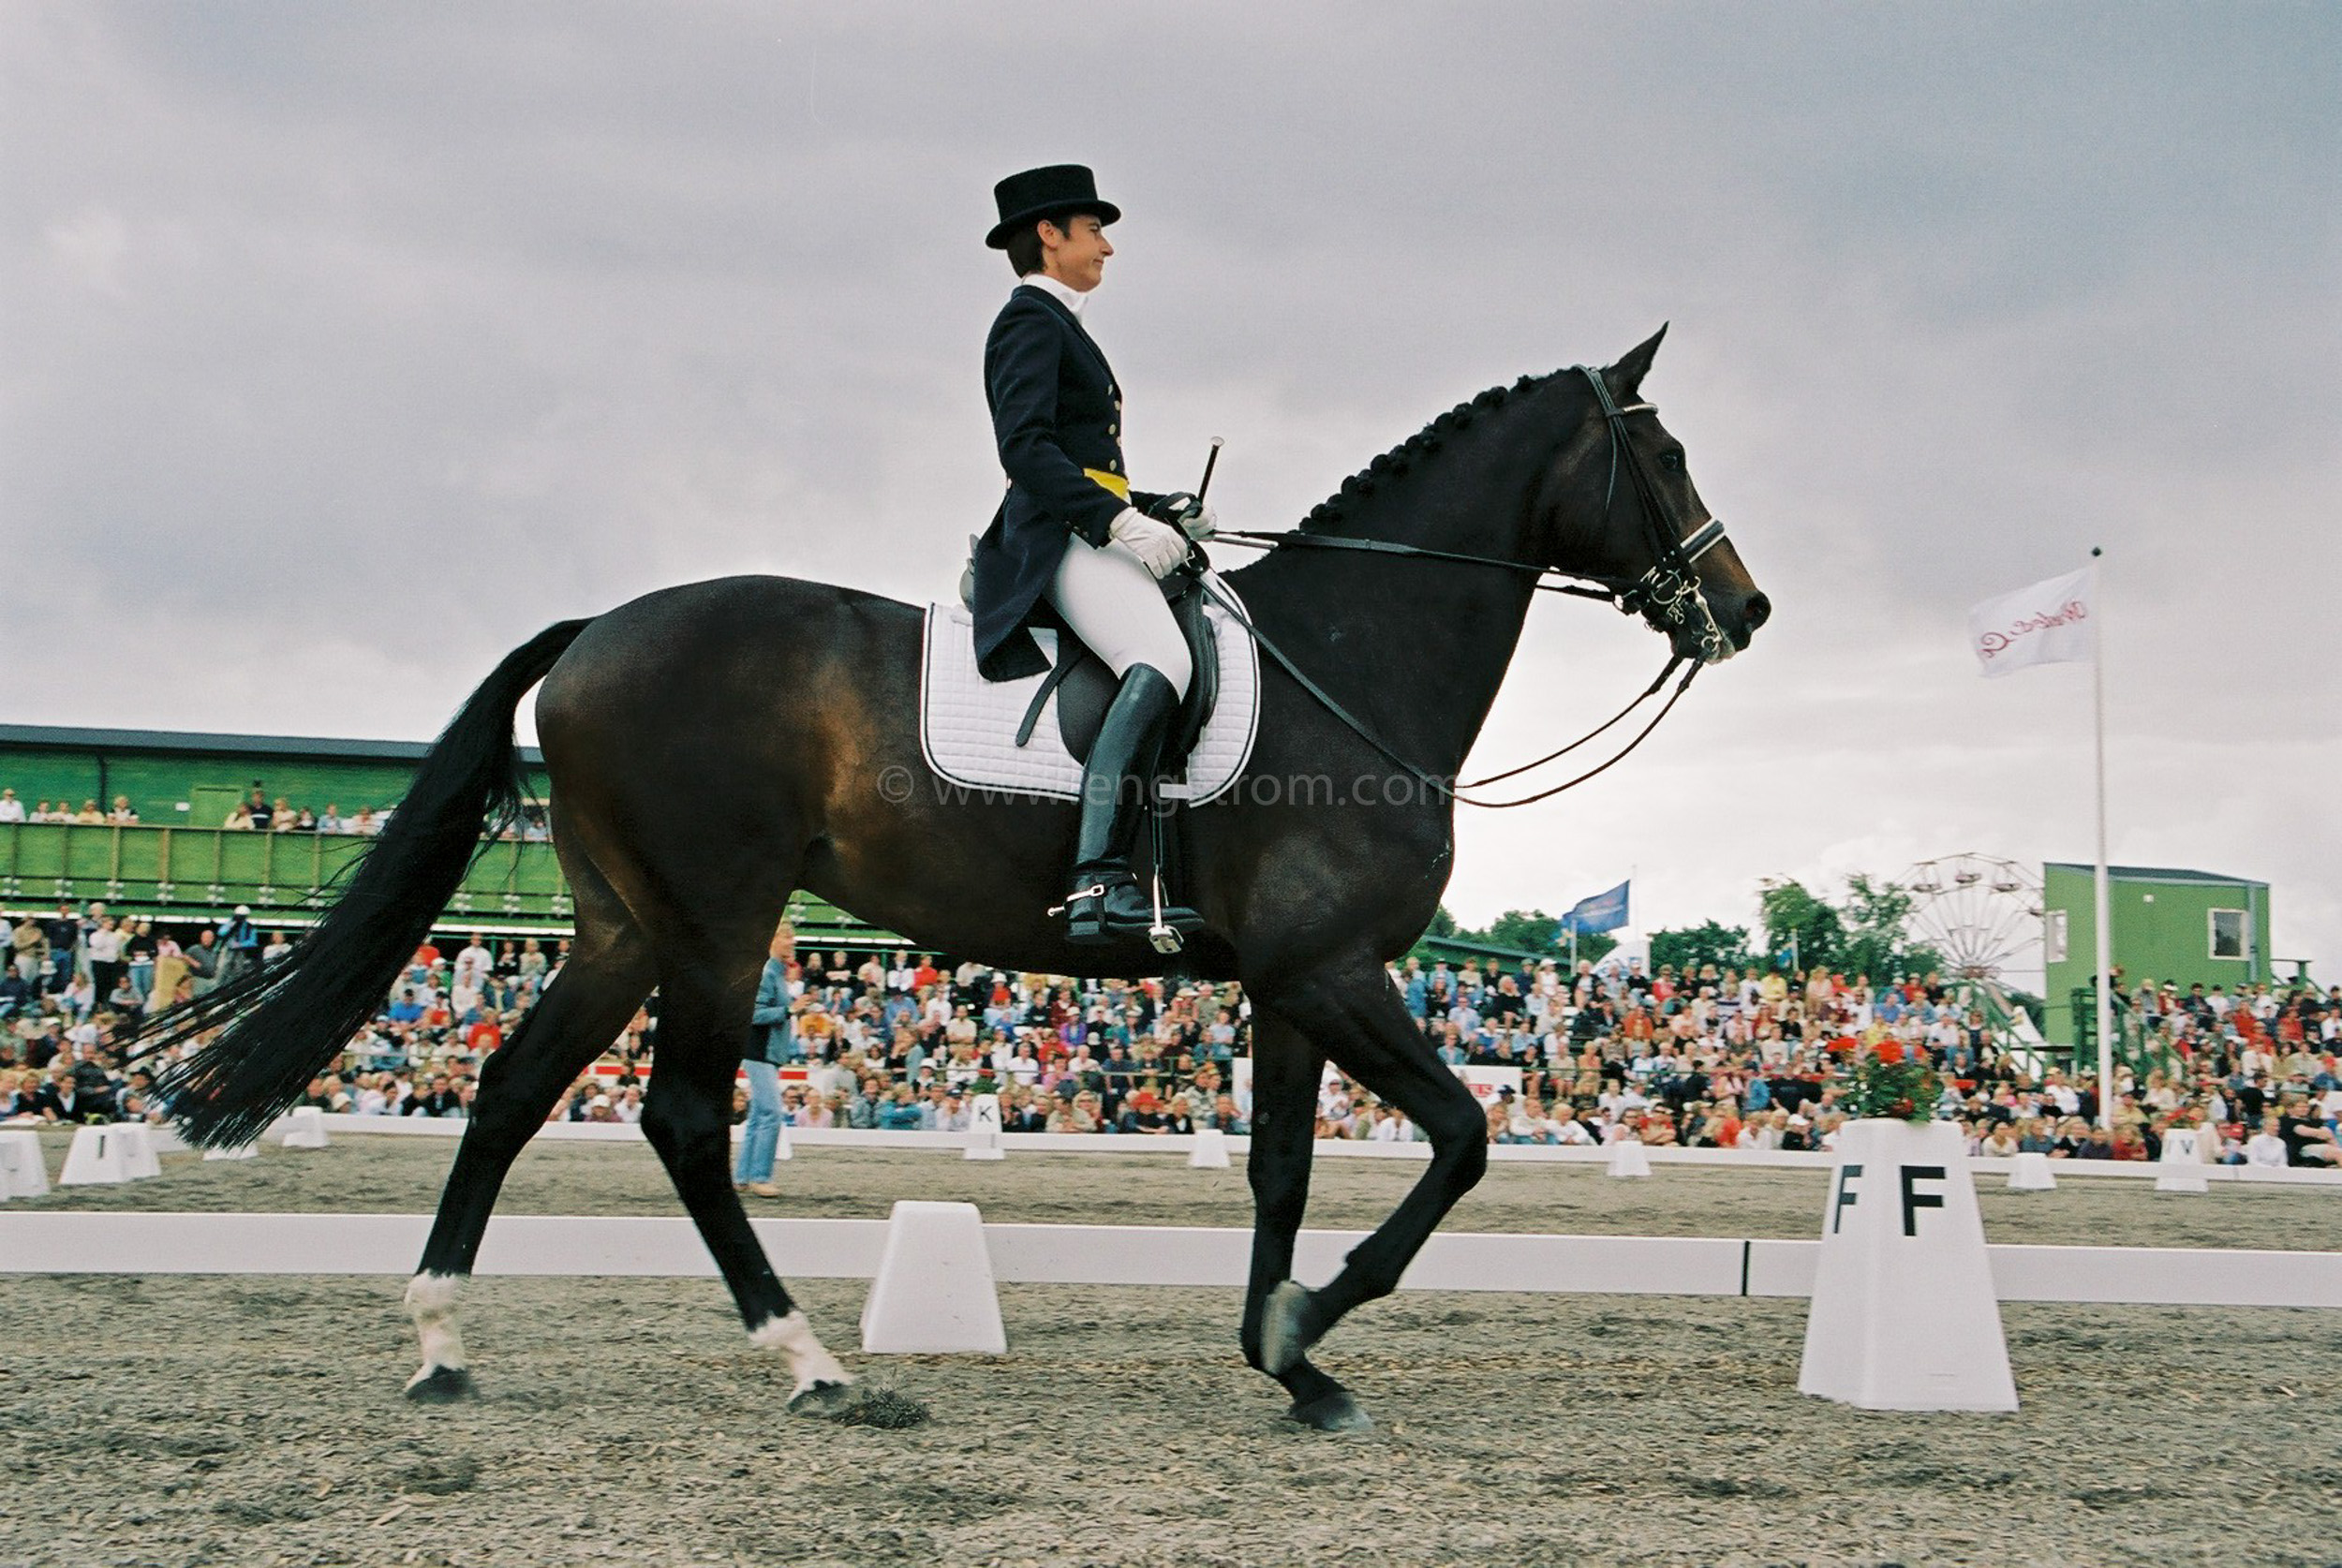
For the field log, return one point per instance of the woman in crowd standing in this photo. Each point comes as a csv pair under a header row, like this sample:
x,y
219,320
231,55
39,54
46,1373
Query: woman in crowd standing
x,y
771,1043
139,948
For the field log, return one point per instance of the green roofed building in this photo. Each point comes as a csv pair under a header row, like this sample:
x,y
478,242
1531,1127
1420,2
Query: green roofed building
x,y
181,864
2187,927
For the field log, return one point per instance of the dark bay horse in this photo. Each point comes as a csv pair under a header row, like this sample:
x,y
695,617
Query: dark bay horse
x,y
713,747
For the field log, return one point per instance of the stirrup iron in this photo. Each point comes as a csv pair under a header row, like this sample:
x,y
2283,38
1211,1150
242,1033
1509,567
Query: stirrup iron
x,y
1161,936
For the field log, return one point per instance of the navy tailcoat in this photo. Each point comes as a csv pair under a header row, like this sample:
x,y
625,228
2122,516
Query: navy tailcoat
x,y
1057,414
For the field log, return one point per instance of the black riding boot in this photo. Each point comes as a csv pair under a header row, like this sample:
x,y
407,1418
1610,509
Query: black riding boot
x,y
1106,903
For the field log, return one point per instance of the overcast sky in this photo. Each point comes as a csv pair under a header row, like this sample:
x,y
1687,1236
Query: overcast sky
x,y
343,347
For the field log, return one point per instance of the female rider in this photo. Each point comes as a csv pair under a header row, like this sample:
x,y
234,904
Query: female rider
x,y
1072,545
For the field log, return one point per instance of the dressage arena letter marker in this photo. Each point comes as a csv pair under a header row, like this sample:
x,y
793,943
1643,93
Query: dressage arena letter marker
x,y
983,1129
1210,1152
100,1155
2031,1172
1904,1313
934,1294
2181,1169
24,1173
1628,1158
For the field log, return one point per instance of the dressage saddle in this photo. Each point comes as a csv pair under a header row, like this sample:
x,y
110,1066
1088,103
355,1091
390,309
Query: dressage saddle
x,y
1085,685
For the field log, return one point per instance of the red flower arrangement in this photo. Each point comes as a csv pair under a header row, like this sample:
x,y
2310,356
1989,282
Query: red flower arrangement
x,y
1893,1084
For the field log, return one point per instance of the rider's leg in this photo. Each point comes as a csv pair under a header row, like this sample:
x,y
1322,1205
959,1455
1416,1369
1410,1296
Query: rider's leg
x,y
1116,607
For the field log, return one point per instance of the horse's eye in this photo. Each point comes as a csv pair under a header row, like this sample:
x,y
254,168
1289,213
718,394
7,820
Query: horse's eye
x,y
1672,462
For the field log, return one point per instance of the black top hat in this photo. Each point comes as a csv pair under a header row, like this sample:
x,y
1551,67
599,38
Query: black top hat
x,y
1060,187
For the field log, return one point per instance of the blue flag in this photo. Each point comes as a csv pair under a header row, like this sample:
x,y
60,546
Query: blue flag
x,y
1604,911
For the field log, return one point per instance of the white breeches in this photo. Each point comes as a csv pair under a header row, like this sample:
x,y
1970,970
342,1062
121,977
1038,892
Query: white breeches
x,y
1118,612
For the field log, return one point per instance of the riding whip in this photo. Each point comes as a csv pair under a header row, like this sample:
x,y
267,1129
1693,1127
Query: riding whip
x,y
1210,463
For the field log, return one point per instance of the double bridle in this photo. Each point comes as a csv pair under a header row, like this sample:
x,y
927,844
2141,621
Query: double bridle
x,y
1667,597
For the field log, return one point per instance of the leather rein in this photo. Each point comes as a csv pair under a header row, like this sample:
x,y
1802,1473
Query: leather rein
x,y
1666,597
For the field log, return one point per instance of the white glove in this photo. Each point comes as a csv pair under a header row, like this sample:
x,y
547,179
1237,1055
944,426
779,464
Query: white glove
x,y
1203,524
1159,546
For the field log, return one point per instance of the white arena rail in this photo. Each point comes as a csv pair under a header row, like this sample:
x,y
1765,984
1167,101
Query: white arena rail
x,y
633,1246
1178,1144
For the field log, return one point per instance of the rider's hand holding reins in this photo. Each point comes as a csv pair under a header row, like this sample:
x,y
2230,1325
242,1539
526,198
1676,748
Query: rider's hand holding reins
x,y
1191,514
1159,546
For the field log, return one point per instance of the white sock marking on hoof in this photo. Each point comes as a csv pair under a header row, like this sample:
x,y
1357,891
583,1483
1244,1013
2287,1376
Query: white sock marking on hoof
x,y
431,1302
809,1363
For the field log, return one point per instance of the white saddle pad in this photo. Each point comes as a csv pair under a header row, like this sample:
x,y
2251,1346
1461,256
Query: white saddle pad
x,y
968,725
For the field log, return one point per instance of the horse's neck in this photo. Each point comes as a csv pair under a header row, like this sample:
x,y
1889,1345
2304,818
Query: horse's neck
x,y
1420,648
1417,648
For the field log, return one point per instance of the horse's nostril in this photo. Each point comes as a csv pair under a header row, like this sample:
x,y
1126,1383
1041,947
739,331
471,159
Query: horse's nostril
x,y
1758,608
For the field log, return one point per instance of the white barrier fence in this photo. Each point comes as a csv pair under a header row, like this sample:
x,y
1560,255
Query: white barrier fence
x,y
1182,1145
389,1244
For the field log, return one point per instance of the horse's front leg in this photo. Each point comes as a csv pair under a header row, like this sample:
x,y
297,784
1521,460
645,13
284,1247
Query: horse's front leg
x,y
1357,1019
1285,1072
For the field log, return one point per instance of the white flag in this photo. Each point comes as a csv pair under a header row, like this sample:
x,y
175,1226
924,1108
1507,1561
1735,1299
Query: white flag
x,y
2048,623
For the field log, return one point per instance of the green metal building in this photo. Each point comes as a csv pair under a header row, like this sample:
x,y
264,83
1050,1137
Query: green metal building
x,y
179,864
2167,924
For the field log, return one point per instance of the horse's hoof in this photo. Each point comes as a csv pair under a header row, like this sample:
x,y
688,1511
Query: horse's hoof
x,y
1285,1336
1332,1412
822,1399
441,1386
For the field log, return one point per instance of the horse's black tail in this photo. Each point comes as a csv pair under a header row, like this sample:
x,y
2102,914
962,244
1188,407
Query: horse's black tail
x,y
286,1021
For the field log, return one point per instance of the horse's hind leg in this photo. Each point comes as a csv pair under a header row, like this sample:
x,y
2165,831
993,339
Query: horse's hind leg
x,y
605,980
702,1026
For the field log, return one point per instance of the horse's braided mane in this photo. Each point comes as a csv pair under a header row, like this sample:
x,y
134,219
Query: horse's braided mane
x,y
1329,513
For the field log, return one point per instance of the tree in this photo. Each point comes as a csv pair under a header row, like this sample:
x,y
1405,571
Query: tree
x,y
1725,946
1534,931
1861,935
1873,920
1524,931
1531,930
1799,924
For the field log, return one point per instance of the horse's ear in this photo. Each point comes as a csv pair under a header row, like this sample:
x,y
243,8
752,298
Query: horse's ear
x,y
1625,378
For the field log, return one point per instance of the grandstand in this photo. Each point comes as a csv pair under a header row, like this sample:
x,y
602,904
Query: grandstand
x,y
180,861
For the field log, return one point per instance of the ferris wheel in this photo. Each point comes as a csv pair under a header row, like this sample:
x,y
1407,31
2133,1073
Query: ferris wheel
x,y
1983,915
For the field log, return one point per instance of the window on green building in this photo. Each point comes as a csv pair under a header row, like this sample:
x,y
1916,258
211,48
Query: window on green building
x,y
2228,933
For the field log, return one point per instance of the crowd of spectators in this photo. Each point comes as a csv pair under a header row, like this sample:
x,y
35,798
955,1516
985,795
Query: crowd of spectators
x,y
1719,1058
12,810
256,813
77,985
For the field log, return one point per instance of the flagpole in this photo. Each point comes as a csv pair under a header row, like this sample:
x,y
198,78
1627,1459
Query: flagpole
x,y
2102,922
